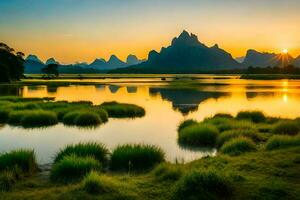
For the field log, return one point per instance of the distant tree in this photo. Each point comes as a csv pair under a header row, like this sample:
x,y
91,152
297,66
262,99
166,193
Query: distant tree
x,y
50,71
11,65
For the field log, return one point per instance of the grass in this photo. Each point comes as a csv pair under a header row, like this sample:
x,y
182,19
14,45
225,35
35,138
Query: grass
x,y
7,180
286,127
249,133
237,146
23,159
255,116
94,183
39,118
136,157
282,141
168,172
72,168
91,149
203,184
186,123
121,110
4,113
87,119
198,135
70,118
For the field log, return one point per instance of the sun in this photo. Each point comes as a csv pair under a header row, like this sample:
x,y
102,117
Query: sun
x,y
285,51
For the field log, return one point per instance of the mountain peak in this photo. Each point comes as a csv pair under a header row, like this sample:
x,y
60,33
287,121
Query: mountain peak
x,y
51,61
33,58
186,39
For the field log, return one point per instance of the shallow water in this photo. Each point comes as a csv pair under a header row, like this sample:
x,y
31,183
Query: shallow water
x,y
166,106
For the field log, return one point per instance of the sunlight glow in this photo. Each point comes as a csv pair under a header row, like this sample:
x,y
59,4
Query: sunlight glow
x,y
285,51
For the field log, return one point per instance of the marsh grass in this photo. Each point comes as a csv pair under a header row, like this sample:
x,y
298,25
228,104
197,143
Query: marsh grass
x,y
4,113
282,141
198,135
39,118
94,183
254,116
15,117
249,133
168,172
122,110
136,157
70,118
286,127
237,146
7,180
24,160
72,168
186,123
203,184
86,118
91,149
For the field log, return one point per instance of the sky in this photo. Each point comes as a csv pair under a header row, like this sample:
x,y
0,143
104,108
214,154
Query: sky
x,y
82,30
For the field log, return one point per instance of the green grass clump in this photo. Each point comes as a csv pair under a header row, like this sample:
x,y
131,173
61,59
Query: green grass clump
x,y
93,183
136,157
186,123
39,118
204,184
286,128
198,135
282,141
223,115
15,117
165,171
7,180
91,149
255,116
23,159
70,118
122,110
102,114
73,168
237,146
25,106
249,133
4,113
86,118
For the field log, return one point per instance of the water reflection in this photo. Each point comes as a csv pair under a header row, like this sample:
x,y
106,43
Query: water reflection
x,y
165,108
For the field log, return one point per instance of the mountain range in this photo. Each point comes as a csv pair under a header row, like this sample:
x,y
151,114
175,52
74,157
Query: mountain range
x,y
185,54
34,65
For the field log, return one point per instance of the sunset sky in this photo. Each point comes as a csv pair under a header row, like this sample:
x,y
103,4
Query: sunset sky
x,y
78,30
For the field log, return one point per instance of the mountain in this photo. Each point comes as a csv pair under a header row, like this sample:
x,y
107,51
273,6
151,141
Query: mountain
x,y
51,61
264,59
185,54
297,61
114,63
33,65
133,60
240,59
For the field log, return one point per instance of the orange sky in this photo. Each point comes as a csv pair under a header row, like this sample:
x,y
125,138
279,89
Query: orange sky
x,y
73,31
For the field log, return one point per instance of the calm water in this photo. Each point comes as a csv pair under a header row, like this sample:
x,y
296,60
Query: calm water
x,y
165,106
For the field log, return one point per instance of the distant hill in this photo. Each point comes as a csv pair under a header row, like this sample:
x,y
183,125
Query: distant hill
x,y
33,65
240,59
185,54
51,61
264,59
114,63
297,61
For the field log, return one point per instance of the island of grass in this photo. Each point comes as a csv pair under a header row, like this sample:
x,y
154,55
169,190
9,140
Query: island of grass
x,y
41,112
254,161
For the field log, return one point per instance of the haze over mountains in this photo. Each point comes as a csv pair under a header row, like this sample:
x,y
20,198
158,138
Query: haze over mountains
x,y
186,54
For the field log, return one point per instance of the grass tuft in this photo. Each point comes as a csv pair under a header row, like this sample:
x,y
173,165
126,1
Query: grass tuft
x,y
73,168
136,157
86,118
186,123
39,118
7,180
198,135
96,150
286,128
165,172
122,110
94,183
237,146
282,141
23,159
204,184
249,133
254,116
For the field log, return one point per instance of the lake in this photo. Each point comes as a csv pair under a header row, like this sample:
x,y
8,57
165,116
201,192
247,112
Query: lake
x,y
167,103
